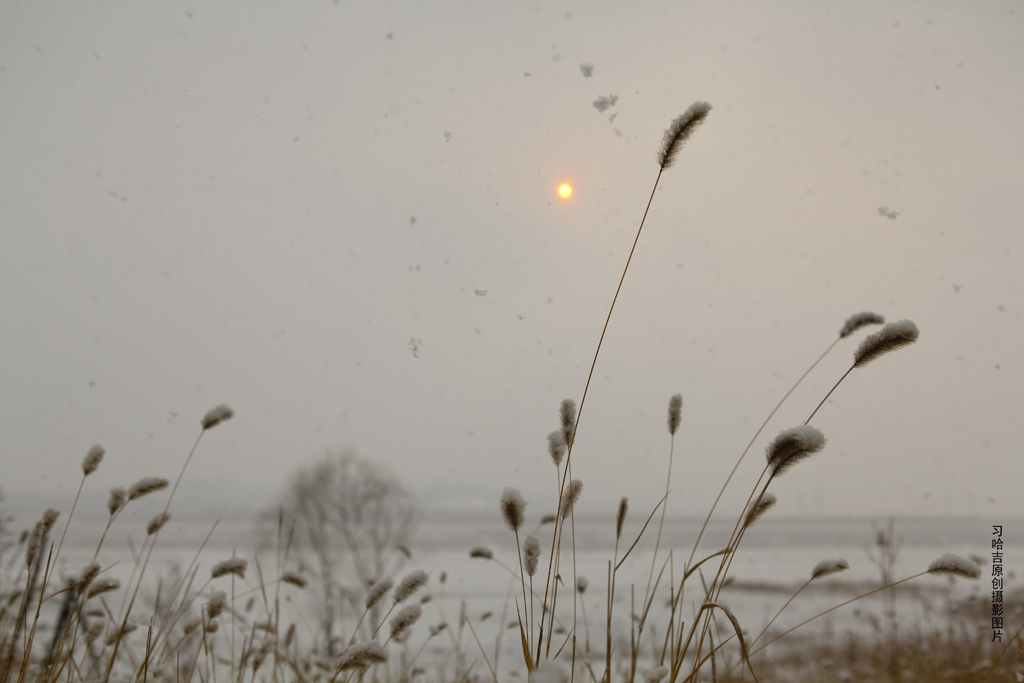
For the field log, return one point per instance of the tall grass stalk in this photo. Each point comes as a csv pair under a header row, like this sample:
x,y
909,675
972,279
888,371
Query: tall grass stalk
x,y
212,418
700,630
692,640
675,137
852,324
892,336
823,569
937,567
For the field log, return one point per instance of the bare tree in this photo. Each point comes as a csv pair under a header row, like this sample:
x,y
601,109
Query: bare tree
x,y
887,549
356,521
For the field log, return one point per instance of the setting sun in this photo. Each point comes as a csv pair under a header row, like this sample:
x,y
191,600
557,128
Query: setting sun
x,y
565,190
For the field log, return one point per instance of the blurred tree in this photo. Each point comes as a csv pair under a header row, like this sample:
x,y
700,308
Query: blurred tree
x,y
355,520
6,543
886,550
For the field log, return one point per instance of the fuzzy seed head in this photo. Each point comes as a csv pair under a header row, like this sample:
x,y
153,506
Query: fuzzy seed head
x,y
157,522
92,459
39,532
955,566
567,417
216,604
235,566
377,592
891,337
531,554
94,631
120,633
117,500
102,585
513,508
679,131
570,497
145,486
214,416
46,522
620,518
855,322
260,655
766,503
191,625
826,567
556,447
362,655
289,635
404,620
294,578
675,411
90,572
482,553
793,445
410,583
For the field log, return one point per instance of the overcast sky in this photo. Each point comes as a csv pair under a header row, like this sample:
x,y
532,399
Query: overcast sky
x,y
341,220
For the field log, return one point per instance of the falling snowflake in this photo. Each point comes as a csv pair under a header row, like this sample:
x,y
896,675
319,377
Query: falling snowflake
x,y
587,70
480,292
888,213
448,135
414,346
602,104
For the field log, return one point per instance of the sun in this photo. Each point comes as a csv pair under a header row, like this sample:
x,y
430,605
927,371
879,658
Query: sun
x,y
565,190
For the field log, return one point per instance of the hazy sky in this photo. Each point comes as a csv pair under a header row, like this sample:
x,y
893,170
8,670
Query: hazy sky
x,y
341,220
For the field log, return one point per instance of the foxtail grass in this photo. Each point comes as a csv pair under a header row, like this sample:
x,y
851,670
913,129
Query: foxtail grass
x,y
687,638
81,595
695,634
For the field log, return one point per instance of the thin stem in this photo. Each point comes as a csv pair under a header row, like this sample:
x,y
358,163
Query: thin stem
x,y
575,594
181,474
781,610
842,604
611,309
586,389
481,647
149,554
70,515
522,573
753,439
808,420
992,667
661,523
608,627
714,591
27,652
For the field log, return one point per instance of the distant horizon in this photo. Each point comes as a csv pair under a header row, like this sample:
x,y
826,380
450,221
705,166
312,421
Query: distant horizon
x,y
194,502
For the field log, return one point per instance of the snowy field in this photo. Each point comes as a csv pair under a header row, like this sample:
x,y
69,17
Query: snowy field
x,y
775,559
